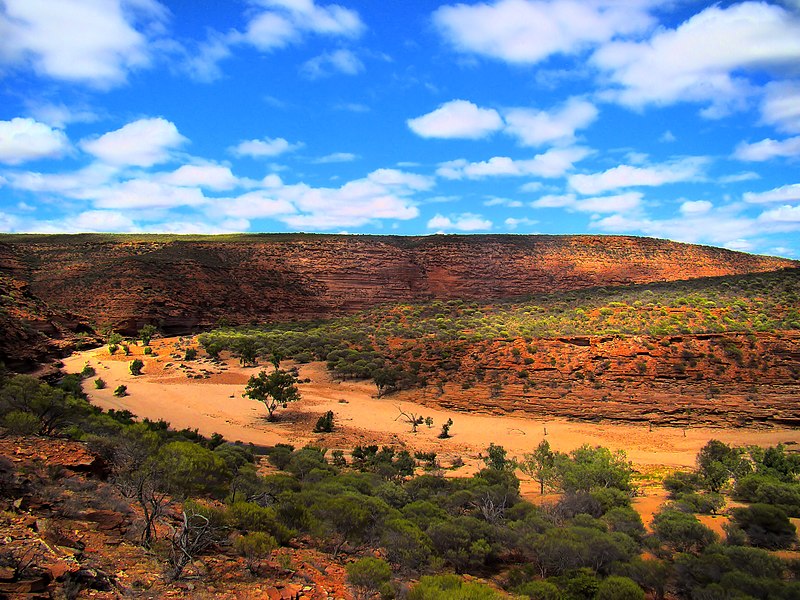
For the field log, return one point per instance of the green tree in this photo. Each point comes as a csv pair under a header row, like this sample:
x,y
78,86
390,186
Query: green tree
x,y
766,526
368,575
451,587
146,334
255,547
274,389
540,465
681,532
619,588
191,470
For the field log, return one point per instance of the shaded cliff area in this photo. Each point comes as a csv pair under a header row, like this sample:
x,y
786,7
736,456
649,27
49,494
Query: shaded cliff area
x,y
58,291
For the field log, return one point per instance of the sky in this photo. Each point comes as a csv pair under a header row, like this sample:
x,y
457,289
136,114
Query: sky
x,y
673,119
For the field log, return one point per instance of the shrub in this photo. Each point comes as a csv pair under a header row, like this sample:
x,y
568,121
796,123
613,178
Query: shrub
x,y
766,526
121,390
324,423
369,575
450,587
136,367
539,590
148,350
190,354
255,547
619,588
88,371
99,383
191,470
681,532
21,423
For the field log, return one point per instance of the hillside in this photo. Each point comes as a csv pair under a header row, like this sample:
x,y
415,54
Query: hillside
x,y
55,287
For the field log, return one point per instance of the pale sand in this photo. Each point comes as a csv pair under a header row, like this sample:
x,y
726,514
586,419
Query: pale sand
x,y
216,405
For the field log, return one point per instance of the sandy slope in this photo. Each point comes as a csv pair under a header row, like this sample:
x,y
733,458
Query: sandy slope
x,y
215,404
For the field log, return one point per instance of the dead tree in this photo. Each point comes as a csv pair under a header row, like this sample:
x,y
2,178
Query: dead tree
x,y
411,418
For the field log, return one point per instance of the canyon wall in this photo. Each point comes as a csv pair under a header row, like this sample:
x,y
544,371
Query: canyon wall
x,y
56,286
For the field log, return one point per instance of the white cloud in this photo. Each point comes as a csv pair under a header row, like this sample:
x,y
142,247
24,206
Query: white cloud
x,y
135,194
400,180
214,177
667,137
286,21
688,169
781,215
59,115
695,207
704,59
610,204
535,128
22,140
785,193
95,42
781,106
507,202
768,149
512,223
462,222
739,177
457,119
627,202
254,205
142,143
555,201
553,163
265,147
336,157
528,31
339,61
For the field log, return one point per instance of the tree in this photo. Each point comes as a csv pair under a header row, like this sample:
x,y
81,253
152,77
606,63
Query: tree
x,y
255,546
619,588
766,526
200,528
681,531
146,334
540,465
368,575
445,433
324,423
717,462
274,389
496,458
411,418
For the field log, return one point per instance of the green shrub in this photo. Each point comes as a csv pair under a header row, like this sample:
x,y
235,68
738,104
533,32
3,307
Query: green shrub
x,y
324,423
21,423
619,588
369,575
88,371
254,547
190,354
136,366
120,391
451,587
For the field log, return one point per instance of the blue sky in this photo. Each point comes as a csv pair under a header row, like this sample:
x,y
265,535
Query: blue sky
x,y
678,120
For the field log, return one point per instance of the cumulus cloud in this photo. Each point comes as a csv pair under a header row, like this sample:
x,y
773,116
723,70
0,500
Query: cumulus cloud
x,y
513,223
626,202
461,222
688,169
142,143
768,149
704,59
528,31
553,163
135,194
22,140
537,127
336,157
214,177
339,61
783,215
276,24
265,147
785,193
94,43
780,106
695,207
457,119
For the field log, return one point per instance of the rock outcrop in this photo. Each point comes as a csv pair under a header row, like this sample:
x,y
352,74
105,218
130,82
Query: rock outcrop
x,y
55,287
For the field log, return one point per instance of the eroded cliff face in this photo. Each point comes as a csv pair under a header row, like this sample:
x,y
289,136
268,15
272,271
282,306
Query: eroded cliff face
x,y
61,285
